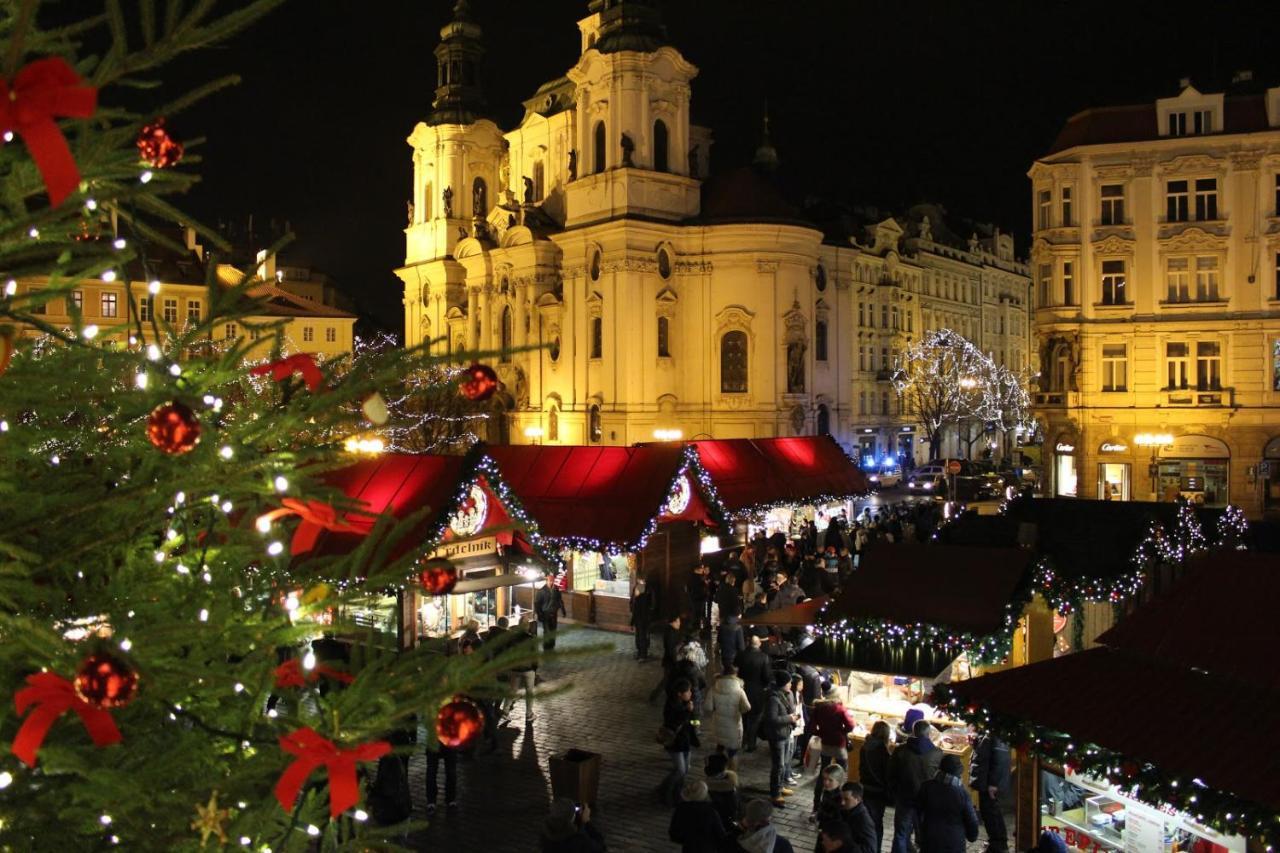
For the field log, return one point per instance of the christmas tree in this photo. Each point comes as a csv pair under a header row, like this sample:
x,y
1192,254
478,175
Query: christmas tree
x,y
171,673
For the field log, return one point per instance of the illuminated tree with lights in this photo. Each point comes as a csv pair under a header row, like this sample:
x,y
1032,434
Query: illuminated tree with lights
x,y
172,672
941,382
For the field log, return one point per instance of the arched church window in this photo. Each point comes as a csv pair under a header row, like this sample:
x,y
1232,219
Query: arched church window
x,y
599,148
479,197
661,147
595,265
507,336
820,340
664,337
539,181
597,337
820,278
733,363
664,263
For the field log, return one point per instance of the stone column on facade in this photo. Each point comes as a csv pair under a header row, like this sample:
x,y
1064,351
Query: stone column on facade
x,y
521,336
472,311
486,320
584,164
645,131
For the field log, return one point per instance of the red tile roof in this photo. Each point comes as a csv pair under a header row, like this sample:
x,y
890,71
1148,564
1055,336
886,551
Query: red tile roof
x,y
1138,122
755,472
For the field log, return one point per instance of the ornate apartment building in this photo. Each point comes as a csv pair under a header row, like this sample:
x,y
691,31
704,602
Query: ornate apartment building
x,y
1157,272
643,297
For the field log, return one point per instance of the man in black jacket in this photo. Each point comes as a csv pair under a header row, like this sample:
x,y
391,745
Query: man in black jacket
x,y
991,763
728,597
731,641
548,605
670,645
643,610
855,814
755,671
945,811
779,720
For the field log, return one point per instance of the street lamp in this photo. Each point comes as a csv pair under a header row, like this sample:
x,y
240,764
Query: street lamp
x,y
534,434
1154,440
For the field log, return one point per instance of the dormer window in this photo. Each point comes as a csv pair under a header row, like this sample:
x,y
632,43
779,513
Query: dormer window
x,y
1193,122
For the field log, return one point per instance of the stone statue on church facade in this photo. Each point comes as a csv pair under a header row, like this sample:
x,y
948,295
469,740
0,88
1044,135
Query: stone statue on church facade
x,y
795,367
447,198
628,148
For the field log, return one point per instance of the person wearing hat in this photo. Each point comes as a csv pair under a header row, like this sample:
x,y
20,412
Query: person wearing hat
x,y
695,824
568,829
756,833
722,788
911,764
945,811
779,719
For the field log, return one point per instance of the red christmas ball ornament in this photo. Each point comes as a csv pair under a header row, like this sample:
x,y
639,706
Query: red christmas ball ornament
x,y
459,723
972,708
105,681
438,576
156,148
173,428
479,382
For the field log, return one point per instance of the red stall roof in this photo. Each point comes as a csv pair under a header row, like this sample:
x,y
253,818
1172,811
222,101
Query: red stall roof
x,y
751,473
609,495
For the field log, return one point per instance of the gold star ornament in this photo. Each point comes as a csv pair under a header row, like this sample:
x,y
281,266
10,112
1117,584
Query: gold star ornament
x,y
210,819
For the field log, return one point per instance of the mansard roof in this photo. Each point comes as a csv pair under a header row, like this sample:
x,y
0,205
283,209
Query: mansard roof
x,y
1137,123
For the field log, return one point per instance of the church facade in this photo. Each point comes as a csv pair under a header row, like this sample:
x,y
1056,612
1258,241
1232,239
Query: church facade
x,y
633,297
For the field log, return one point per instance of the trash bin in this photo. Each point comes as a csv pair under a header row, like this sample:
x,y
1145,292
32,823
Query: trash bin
x,y
576,775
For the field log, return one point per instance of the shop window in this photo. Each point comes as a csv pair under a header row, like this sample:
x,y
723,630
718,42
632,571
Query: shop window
x,y
1115,367
599,147
1177,364
733,363
1113,481
507,335
1065,481
661,147
1113,283
597,337
820,340
594,431
664,337
1208,366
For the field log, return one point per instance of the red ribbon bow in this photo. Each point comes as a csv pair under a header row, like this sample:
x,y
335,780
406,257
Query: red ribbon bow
x,y
52,696
317,516
291,674
44,89
281,370
312,751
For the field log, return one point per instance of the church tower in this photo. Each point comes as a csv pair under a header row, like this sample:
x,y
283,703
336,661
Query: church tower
x,y
457,163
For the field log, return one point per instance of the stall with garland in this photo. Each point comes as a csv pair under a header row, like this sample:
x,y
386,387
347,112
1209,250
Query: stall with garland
x,y
616,514
470,542
1160,740
780,484
912,617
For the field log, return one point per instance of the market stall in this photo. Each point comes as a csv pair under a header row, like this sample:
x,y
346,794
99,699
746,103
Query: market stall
x,y
457,508
616,514
1196,777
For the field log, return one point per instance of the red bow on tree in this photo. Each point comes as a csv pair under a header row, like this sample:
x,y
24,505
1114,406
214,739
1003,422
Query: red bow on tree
x,y
281,370
317,516
312,751
52,696
44,89
291,674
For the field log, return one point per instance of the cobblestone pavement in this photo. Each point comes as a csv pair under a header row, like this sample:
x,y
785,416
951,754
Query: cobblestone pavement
x,y
601,706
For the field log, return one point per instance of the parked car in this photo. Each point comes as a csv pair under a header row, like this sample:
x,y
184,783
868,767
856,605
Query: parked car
x,y
972,483
885,478
928,479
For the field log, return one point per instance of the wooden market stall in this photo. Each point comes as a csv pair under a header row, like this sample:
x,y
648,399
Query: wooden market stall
x,y
1161,740
459,509
616,514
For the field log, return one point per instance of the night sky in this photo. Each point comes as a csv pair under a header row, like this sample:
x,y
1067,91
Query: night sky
x,y
885,103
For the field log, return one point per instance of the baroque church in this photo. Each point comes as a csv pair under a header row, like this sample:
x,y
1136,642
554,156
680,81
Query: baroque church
x,y
643,297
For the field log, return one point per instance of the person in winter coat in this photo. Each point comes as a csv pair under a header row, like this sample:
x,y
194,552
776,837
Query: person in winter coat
x,y
730,639
722,787
991,763
695,824
728,597
945,810
679,719
831,723
568,829
548,605
779,719
670,648
789,593
698,590
854,813
910,766
644,606
724,706
756,833
873,770
691,663
826,796
754,670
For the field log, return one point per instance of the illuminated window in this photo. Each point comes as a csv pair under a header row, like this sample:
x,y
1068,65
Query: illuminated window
x,y
308,334
171,311
111,305
331,334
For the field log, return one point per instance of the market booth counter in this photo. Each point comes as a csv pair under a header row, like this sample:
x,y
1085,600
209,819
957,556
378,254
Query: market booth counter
x,y
460,510
616,514
1198,777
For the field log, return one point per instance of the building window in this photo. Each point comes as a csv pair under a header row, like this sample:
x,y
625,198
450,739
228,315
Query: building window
x,y
506,335
229,331
862,317
1044,207
1044,280
77,296
824,420
884,402
1066,206
193,311
1178,279
820,340
111,305
1115,367
594,271
1113,283
594,430
884,316
1276,209
308,334
1176,201
1068,283
862,395
1275,365
597,337
539,181
554,350
1112,212
1277,291
1207,279
1208,366
599,147
664,264
820,278
664,337
896,318
146,307
733,363
171,311
1202,121
862,358
1177,365
1206,199
1177,124
661,147
331,334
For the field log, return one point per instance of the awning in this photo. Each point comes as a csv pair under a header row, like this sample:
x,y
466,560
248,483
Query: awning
x,y
606,495
796,616
915,659
757,473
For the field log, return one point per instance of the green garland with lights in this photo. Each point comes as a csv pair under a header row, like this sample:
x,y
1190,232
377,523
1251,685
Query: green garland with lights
x,y
1137,778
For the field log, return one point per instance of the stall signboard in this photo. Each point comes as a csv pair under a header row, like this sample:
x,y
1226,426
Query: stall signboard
x,y
1195,447
1143,833
1145,829
462,548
